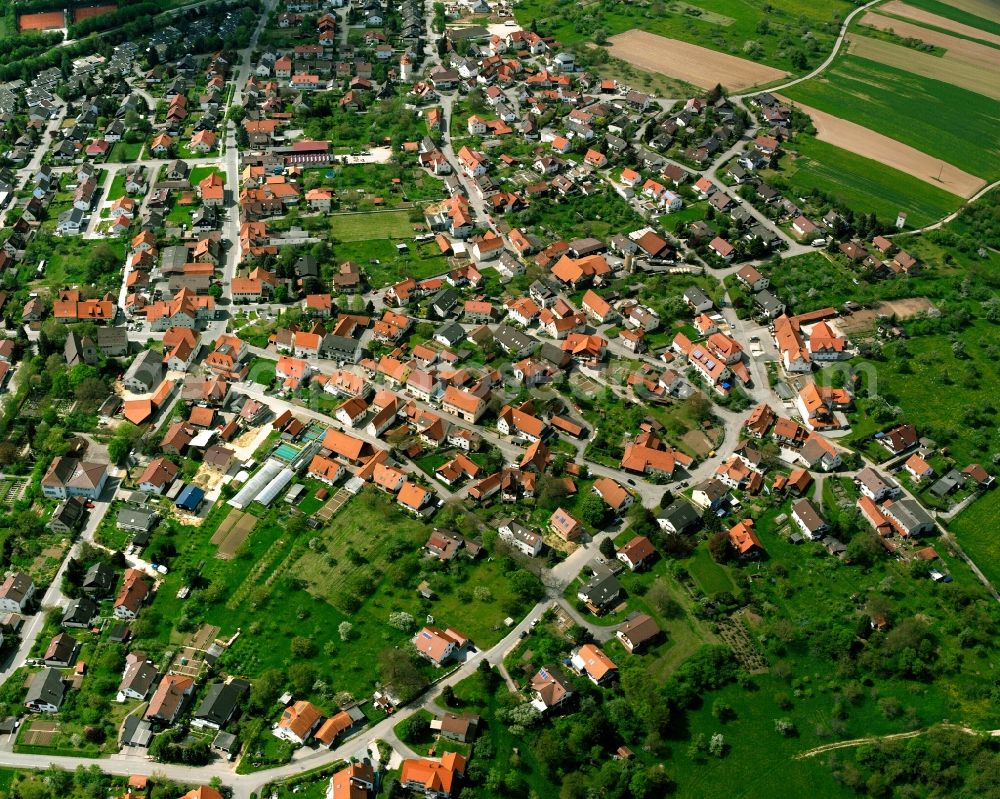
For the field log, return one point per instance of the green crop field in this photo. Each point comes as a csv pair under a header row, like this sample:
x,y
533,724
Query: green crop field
x,y
376,225
862,184
734,28
957,15
944,121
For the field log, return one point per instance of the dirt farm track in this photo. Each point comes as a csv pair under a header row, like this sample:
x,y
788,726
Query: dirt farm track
x,y
696,65
869,144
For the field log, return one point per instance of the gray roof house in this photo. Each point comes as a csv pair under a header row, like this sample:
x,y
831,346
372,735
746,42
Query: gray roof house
x,y
220,703
600,591
680,517
80,612
45,694
145,372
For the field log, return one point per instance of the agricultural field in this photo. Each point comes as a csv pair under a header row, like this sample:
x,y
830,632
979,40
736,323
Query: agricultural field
x,y
862,184
791,38
975,74
944,121
690,63
970,17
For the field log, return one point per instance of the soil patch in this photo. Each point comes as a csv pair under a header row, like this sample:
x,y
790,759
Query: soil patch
x,y
45,21
869,144
698,442
689,62
238,533
864,320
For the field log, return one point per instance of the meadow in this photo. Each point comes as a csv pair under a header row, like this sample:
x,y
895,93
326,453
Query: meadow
x,y
944,121
862,184
975,528
733,28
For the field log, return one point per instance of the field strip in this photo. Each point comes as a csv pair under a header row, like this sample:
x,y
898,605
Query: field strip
x,y
869,144
901,9
987,9
955,48
688,62
981,78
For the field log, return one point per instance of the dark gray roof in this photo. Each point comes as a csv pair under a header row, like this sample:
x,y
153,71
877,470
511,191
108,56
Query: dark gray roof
x,y
601,589
221,701
80,611
100,578
46,687
680,515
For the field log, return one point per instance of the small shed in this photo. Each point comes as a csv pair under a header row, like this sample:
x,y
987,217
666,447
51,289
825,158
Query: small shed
x,y
190,499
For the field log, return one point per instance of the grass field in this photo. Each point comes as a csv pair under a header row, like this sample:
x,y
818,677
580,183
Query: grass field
x,y
709,575
975,529
862,184
944,121
125,151
199,173
716,24
953,413
117,188
419,261
376,225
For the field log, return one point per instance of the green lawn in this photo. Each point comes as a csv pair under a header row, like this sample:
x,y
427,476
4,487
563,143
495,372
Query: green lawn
x,y
710,576
977,533
199,173
181,214
124,151
715,24
384,265
881,98
117,188
861,184
374,225
262,371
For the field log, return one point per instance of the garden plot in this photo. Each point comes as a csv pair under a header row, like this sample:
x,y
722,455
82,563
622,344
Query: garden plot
x,y
232,533
329,510
39,733
689,62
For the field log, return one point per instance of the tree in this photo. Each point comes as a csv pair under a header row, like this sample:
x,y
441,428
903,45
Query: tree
x,y
346,630
448,696
415,729
398,671
718,546
608,548
118,451
593,510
